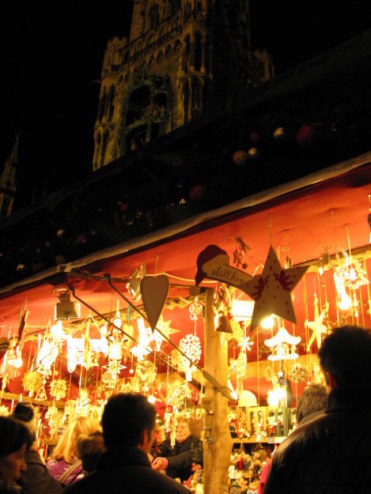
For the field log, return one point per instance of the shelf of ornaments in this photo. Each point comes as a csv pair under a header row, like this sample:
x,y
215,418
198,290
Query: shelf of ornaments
x,y
259,440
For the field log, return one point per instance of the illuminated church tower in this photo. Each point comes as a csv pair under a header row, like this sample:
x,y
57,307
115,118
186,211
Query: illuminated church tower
x,y
8,185
183,58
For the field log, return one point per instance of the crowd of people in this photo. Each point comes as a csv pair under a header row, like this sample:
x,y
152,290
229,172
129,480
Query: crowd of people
x,y
328,452
97,457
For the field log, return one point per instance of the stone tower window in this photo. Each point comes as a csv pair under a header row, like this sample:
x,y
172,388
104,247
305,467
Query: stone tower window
x,y
111,102
174,7
154,16
102,105
197,52
139,100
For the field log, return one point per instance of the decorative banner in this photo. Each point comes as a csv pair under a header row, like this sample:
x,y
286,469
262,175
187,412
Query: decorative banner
x,y
213,263
154,292
272,290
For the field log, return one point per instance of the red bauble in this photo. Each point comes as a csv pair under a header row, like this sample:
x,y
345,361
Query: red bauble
x,y
240,157
306,136
81,239
197,193
254,137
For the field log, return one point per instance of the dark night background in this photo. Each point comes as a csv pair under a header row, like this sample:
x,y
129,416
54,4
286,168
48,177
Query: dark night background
x,y
53,55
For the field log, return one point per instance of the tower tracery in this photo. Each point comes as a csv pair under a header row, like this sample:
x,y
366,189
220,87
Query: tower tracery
x,y
182,58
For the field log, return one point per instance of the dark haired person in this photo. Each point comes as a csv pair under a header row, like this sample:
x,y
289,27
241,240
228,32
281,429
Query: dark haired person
x,y
128,423
312,403
332,453
36,479
15,439
89,449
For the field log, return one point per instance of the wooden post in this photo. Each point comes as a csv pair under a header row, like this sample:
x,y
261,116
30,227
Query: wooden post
x,y
218,441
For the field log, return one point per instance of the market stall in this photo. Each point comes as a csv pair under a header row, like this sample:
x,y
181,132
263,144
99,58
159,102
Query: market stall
x,y
223,342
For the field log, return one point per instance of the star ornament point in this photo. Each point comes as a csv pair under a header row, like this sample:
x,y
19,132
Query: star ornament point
x,y
271,290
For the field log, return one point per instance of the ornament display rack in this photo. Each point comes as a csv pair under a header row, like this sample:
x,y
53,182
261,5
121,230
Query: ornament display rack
x,y
263,424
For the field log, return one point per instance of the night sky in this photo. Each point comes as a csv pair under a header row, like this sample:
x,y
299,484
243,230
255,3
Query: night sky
x,y
53,57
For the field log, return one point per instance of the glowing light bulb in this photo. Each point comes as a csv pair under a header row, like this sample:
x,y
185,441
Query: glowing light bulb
x,y
151,399
267,322
275,396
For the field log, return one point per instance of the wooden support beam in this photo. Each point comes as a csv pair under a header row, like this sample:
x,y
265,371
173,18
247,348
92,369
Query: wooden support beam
x,y
218,441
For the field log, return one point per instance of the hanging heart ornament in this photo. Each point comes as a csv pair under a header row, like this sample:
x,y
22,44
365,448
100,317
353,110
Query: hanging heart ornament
x,y
154,291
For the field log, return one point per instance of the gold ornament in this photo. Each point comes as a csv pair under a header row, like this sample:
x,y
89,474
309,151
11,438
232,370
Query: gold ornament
x,y
32,382
298,374
317,325
4,412
146,371
58,389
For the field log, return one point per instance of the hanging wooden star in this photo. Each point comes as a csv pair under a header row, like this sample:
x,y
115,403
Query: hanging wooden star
x,y
317,326
166,330
271,290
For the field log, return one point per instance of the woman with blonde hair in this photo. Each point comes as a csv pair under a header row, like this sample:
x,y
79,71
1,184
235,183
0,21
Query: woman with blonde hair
x,y
64,464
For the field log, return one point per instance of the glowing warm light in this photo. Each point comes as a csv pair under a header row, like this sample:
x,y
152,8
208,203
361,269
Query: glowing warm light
x,y
189,376
267,322
145,337
151,399
13,358
115,352
234,395
117,320
57,331
344,302
275,396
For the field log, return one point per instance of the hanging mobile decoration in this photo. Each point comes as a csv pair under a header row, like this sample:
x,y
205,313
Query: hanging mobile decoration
x,y
133,285
283,345
190,345
239,252
154,291
222,306
317,326
47,353
146,371
245,344
298,374
58,389
32,382
352,272
195,310
164,327
145,337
